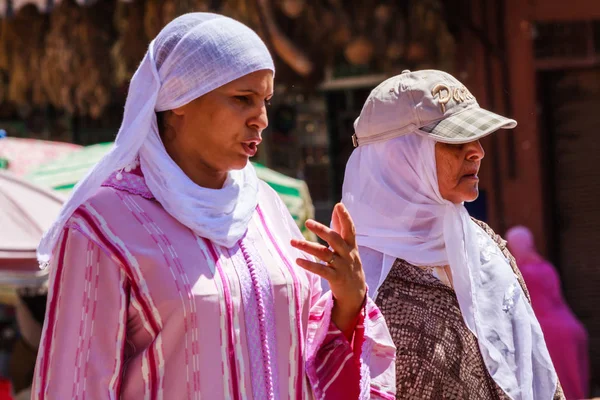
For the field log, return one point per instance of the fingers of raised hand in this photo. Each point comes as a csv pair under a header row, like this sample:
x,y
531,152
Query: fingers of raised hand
x,y
336,224
334,239
347,229
314,249
324,271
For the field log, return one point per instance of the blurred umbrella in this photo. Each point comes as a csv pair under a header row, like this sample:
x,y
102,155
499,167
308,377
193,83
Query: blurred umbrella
x,y
20,155
26,211
62,174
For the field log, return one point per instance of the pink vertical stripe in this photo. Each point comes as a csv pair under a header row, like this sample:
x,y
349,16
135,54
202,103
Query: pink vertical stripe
x,y
157,239
89,346
193,322
298,303
90,220
84,311
124,289
204,248
52,314
230,351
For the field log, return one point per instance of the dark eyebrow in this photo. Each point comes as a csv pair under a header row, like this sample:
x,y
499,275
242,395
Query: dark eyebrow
x,y
253,92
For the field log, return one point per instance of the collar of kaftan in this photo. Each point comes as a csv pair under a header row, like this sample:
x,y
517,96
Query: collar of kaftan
x,y
131,182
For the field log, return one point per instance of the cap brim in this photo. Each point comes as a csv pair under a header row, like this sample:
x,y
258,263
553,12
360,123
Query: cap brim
x,y
467,126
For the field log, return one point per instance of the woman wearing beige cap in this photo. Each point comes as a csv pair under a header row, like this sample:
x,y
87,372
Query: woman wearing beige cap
x,y
451,293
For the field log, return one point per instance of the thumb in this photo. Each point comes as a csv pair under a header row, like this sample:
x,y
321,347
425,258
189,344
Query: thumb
x,y
336,224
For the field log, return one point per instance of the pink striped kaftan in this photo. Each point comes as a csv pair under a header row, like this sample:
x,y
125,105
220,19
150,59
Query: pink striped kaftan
x,y
141,308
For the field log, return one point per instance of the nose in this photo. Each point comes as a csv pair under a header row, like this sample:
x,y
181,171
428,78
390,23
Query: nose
x,y
475,151
259,120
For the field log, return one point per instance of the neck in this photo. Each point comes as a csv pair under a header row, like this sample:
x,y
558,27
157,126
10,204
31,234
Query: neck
x,y
216,180
202,174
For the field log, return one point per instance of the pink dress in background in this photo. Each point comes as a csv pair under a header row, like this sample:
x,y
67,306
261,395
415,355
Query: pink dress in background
x,y
141,308
565,336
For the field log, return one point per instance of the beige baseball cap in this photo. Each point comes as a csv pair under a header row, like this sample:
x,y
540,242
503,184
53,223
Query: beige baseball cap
x,y
429,102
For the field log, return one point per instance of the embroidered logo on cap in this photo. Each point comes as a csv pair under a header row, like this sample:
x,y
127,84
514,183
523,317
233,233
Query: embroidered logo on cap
x,y
445,93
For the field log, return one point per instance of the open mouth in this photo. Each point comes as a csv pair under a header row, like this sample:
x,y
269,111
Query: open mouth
x,y
250,148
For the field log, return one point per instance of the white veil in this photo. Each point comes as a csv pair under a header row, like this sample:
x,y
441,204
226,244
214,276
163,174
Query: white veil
x,y
193,55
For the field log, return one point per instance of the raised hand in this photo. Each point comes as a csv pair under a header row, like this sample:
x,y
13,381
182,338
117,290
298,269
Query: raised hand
x,y
341,265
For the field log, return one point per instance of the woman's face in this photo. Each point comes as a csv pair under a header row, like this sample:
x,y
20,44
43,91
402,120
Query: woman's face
x,y
220,131
457,167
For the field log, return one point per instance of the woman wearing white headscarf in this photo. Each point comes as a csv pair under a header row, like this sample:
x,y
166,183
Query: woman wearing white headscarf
x,y
173,269
451,293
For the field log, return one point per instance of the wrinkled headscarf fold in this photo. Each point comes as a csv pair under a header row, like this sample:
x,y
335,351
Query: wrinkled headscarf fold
x,y
193,55
391,191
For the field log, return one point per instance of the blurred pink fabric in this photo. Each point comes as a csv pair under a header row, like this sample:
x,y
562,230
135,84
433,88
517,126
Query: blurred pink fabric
x,y
565,336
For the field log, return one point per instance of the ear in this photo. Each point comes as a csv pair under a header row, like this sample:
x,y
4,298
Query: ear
x,y
172,120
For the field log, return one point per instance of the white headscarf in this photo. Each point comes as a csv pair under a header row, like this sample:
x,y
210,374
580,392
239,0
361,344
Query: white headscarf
x,y
391,191
193,55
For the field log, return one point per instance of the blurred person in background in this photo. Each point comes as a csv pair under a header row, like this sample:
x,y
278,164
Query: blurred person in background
x,y
565,336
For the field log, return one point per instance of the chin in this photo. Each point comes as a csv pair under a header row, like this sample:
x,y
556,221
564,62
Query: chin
x,y
239,164
471,195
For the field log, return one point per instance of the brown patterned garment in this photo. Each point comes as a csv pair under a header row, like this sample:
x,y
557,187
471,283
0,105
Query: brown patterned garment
x,y
437,356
